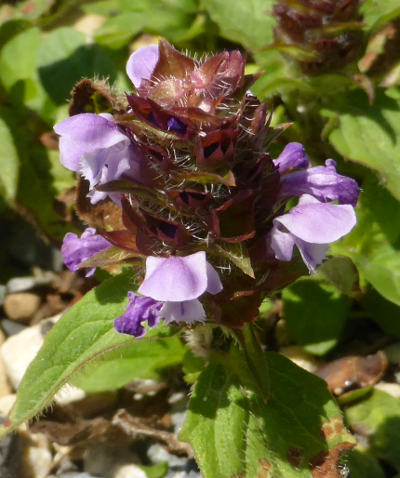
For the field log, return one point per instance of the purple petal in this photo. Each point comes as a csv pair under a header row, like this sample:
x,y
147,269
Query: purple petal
x,y
139,309
318,223
214,284
77,250
141,64
175,278
189,311
323,182
86,133
312,254
282,244
292,157
106,165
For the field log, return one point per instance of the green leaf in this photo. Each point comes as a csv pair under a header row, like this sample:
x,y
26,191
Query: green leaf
x,y
117,31
11,28
104,7
9,163
18,68
192,366
373,245
315,314
378,418
362,465
64,57
171,22
234,432
238,254
378,12
18,57
81,335
158,470
342,273
249,22
136,359
41,177
382,270
31,10
368,133
62,178
384,313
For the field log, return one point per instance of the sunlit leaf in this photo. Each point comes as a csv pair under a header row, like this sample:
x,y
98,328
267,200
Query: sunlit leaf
x,y
249,22
378,12
315,314
234,431
9,162
368,134
65,57
373,244
377,418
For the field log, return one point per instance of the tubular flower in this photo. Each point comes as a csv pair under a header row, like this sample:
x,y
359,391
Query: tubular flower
x,y
76,250
311,226
322,182
170,289
188,188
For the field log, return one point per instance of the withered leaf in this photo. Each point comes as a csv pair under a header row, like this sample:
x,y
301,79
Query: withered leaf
x,y
326,464
353,372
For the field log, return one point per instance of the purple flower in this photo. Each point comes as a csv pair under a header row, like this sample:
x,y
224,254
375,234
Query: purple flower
x,y
95,146
292,157
141,64
322,182
170,289
178,279
311,226
178,282
140,309
76,250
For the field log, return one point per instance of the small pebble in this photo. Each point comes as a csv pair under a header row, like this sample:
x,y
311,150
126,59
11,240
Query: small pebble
x,y
10,455
19,350
89,24
6,403
21,305
2,293
129,471
74,474
156,454
105,460
37,462
5,388
21,284
300,357
392,389
11,327
393,353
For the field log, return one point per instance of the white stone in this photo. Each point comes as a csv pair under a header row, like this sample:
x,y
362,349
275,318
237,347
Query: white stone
x,y
393,353
19,350
21,305
5,388
89,24
129,471
300,357
37,462
390,388
105,460
6,403
157,454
